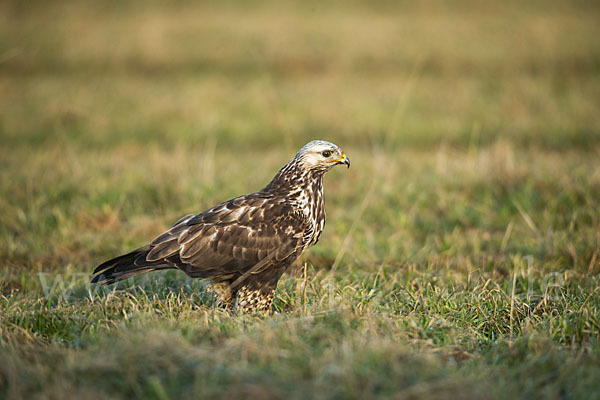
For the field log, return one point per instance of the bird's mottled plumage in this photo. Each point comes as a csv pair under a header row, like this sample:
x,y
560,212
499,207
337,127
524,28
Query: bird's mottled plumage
x,y
245,244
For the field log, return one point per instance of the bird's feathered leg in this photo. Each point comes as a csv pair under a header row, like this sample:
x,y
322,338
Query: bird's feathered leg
x,y
226,289
223,292
256,293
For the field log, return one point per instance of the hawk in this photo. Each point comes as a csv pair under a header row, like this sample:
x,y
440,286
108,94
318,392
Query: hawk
x,y
243,245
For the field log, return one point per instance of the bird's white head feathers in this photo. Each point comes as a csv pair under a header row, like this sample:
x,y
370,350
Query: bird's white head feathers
x,y
321,155
308,166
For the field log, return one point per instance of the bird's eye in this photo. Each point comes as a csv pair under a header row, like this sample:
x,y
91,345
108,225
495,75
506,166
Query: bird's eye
x,y
326,153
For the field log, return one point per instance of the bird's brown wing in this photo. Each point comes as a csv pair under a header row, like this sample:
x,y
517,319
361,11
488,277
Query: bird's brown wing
x,y
229,239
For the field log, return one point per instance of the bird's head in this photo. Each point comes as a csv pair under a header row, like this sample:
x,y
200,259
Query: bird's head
x,y
313,160
320,155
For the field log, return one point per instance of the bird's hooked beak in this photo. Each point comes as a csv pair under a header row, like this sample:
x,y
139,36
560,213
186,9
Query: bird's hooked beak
x,y
343,160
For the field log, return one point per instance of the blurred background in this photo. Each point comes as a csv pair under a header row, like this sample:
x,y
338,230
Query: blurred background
x,y
256,74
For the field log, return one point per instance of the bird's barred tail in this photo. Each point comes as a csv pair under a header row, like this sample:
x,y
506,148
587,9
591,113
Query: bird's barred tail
x,y
125,266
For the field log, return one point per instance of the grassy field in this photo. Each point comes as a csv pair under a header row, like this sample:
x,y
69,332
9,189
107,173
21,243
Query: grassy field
x,y
461,257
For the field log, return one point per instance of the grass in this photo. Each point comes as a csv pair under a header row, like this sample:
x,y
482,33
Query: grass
x,y
461,256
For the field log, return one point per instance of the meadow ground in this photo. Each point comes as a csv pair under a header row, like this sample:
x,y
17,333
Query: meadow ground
x,y
461,256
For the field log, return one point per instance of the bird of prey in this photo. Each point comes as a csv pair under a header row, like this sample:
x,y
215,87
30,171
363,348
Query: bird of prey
x,y
243,245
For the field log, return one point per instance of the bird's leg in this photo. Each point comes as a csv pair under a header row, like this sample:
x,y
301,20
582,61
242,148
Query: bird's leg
x,y
223,292
256,293
250,300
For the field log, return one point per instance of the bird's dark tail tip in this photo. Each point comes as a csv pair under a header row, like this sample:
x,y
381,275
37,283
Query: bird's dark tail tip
x,y
123,267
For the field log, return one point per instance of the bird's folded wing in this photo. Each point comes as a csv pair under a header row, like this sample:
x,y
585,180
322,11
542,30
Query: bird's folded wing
x,y
228,240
